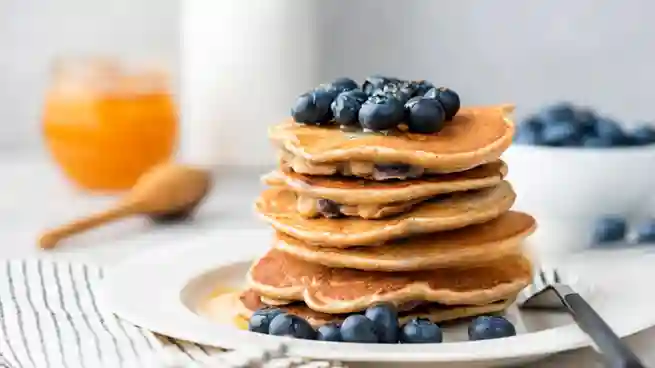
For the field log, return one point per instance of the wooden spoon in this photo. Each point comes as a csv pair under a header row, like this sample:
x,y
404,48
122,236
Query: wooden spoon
x,y
165,192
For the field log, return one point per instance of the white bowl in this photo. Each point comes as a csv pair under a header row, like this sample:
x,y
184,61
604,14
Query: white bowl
x,y
568,189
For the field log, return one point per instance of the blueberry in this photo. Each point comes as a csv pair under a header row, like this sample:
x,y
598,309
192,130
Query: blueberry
x,y
424,115
374,83
596,142
490,327
261,319
643,135
346,105
340,85
610,229
328,208
527,136
646,232
381,113
560,133
289,325
610,130
385,319
562,111
420,331
329,332
586,119
313,107
394,171
449,100
398,91
421,87
357,328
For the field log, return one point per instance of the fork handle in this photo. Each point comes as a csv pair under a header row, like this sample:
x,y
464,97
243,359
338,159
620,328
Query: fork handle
x,y
617,354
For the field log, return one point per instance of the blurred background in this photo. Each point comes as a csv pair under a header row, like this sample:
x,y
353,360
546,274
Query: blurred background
x,y
595,52
99,92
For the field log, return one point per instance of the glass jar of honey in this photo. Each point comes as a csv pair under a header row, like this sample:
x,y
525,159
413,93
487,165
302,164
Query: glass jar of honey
x,y
106,122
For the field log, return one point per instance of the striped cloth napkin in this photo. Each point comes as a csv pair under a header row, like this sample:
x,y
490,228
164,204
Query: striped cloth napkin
x,y
49,317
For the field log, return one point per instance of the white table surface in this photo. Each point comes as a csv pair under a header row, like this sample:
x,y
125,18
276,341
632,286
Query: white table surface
x,y
33,197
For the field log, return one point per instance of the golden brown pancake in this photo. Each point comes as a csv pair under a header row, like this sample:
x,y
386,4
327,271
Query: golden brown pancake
x,y
279,275
354,191
469,246
250,302
475,136
278,207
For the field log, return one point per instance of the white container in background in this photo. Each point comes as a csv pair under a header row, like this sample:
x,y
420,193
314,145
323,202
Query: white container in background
x,y
242,65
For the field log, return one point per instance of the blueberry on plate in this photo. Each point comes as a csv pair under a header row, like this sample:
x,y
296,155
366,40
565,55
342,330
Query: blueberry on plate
x,y
610,229
313,107
424,115
381,113
345,107
643,135
490,327
357,328
374,83
340,85
261,319
385,319
527,136
285,324
646,231
420,331
560,133
449,100
329,332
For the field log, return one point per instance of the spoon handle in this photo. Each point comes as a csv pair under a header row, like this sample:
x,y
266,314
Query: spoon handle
x,y
50,238
617,354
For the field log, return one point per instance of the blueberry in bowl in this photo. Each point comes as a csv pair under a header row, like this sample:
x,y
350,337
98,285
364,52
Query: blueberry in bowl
x,y
313,107
381,112
420,331
285,324
490,327
424,115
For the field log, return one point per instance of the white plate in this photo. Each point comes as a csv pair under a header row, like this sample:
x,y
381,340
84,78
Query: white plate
x,y
159,291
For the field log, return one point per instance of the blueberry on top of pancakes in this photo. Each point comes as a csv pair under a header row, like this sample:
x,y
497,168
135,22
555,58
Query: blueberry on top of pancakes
x,y
381,112
345,107
313,107
448,98
424,115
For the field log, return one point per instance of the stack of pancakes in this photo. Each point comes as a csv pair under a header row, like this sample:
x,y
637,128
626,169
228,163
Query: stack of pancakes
x,y
422,221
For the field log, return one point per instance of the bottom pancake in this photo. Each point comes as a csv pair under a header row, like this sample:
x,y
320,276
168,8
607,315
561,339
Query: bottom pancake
x,y
250,302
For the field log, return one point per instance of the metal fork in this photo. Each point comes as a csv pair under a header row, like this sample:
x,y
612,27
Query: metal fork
x,y
549,292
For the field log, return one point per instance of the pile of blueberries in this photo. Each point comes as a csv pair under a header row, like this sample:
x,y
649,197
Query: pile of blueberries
x,y
612,229
567,125
378,324
381,104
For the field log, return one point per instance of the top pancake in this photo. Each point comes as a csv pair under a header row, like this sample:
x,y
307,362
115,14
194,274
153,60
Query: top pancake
x,y
354,191
475,136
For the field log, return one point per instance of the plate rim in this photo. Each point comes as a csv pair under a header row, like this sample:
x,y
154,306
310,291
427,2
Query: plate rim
x,y
192,261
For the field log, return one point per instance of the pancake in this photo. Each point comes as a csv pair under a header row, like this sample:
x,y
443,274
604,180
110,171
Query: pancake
x,y
475,136
278,207
353,191
469,246
250,302
278,275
